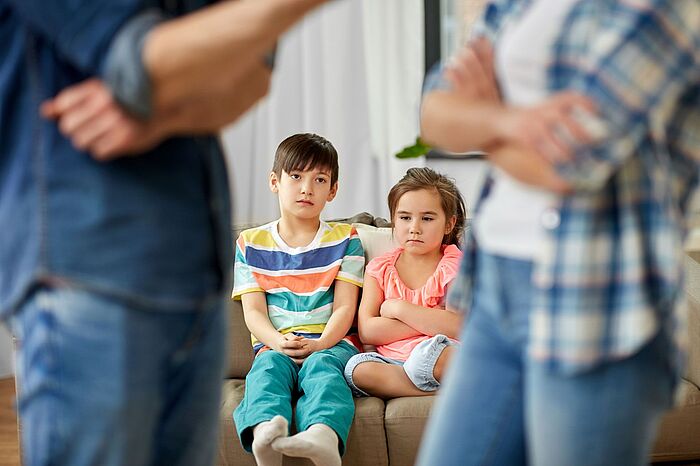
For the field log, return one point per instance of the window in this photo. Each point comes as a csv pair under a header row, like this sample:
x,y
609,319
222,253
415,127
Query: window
x,y
447,25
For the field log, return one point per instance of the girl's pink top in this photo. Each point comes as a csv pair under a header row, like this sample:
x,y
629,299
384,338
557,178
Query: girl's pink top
x,y
431,294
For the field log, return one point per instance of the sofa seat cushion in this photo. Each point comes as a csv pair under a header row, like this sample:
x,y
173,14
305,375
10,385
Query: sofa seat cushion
x,y
404,423
366,446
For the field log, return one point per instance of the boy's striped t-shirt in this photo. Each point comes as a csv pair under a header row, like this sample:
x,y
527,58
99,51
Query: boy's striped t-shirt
x,y
298,282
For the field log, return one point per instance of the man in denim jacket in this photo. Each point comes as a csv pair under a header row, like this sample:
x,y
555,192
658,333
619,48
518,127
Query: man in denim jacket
x,y
113,273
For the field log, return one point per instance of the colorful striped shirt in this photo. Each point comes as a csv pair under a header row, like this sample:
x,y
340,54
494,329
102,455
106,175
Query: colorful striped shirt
x,y
610,274
298,282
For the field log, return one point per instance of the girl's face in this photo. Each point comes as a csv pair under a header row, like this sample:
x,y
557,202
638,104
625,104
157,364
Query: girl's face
x,y
419,221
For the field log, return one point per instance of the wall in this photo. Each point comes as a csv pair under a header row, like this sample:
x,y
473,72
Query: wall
x,y
6,354
468,176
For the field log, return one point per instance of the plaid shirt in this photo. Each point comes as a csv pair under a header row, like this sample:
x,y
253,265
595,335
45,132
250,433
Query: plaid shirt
x,y
610,275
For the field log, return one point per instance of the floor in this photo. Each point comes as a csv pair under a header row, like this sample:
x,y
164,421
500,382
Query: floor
x,y
9,444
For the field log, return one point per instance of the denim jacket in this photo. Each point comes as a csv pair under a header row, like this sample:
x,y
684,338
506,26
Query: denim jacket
x,y
152,229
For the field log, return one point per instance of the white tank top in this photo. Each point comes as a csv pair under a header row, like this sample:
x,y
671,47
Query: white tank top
x,y
512,219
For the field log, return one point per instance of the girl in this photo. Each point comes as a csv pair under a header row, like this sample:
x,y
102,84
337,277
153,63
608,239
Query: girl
x,y
402,311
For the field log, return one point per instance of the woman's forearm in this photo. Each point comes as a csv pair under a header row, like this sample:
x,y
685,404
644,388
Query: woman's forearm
x,y
528,167
457,124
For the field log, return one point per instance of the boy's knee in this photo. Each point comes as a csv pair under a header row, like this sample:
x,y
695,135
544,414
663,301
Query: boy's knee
x,y
320,358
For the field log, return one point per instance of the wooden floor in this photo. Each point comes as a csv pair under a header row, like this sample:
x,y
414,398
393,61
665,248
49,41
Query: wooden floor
x,y
9,444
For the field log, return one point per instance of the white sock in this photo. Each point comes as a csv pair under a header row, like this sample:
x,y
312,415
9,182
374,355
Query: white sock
x,y
319,443
263,436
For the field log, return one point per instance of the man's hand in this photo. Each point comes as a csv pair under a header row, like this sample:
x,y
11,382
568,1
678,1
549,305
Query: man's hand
x,y
88,115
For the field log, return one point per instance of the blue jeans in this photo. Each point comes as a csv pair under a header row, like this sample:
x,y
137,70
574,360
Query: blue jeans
x,y
101,383
499,407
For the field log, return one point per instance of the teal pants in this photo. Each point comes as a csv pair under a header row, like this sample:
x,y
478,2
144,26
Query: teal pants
x,y
323,395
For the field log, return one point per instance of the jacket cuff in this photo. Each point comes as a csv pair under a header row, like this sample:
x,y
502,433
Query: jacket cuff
x,y
125,73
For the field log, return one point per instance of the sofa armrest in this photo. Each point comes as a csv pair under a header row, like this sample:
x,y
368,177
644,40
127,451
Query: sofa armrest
x,y
240,351
692,294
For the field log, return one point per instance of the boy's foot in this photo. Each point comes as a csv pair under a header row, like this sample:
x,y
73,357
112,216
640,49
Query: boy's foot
x,y
319,443
263,436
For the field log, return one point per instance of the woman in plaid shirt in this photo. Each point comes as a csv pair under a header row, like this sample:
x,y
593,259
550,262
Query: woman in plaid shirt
x,y
570,353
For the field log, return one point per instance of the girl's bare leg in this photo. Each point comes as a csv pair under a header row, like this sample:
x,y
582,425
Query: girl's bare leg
x,y
385,380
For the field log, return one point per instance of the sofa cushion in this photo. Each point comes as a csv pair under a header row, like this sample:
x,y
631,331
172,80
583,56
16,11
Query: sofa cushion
x,y
404,423
366,444
677,438
375,241
692,295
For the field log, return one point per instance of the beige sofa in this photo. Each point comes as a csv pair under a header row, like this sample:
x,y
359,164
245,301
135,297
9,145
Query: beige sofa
x,y
389,433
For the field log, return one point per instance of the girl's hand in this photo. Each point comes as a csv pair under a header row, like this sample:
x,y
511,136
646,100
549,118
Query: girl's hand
x,y
471,72
391,308
551,129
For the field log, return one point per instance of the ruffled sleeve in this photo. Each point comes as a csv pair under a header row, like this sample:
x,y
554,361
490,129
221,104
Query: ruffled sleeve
x,y
379,267
435,289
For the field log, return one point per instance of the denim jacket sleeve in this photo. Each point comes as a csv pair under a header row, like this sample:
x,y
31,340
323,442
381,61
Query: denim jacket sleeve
x,y
125,73
100,38
82,31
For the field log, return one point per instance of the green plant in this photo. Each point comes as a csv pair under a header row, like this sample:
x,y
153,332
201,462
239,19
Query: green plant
x,y
415,150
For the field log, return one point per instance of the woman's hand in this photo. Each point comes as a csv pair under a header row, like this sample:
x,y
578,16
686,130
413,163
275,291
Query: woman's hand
x,y
471,72
551,129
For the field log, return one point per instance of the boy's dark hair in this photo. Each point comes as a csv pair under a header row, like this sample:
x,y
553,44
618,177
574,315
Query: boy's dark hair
x,y
451,199
306,151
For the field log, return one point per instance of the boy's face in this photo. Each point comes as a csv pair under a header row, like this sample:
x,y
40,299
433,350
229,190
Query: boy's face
x,y
303,193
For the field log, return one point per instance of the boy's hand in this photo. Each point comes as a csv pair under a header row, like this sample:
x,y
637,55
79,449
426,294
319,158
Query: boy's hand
x,y
312,345
88,115
293,346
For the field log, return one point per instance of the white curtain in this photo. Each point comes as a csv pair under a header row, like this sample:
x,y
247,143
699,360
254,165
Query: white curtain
x,y
351,72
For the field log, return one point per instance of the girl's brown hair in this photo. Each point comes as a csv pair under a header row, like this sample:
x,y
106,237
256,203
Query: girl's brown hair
x,y
451,199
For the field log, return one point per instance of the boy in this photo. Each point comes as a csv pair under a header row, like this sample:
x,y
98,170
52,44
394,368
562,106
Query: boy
x,y
299,279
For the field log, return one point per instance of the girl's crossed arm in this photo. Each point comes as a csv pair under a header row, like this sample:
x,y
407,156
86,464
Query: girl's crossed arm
x,y
426,320
375,329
